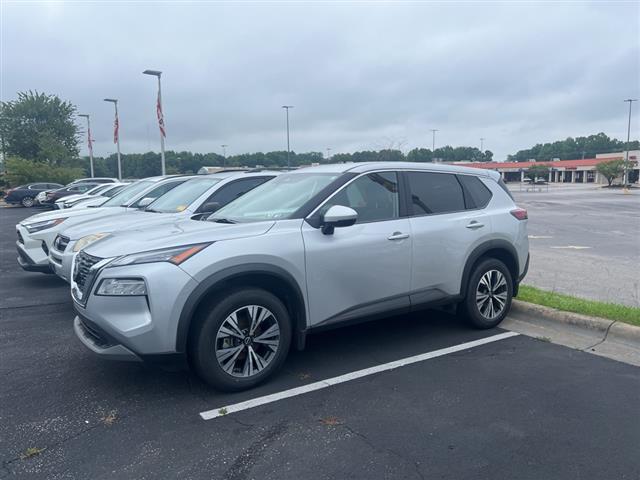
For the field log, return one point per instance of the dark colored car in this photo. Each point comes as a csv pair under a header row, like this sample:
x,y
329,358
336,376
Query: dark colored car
x,y
25,195
72,189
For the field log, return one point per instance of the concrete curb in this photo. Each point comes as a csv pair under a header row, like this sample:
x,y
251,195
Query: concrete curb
x,y
608,338
576,319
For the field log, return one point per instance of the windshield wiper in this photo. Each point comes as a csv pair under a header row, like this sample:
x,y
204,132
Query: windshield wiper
x,y
223,220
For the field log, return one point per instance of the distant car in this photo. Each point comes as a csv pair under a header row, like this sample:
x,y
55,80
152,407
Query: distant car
x,y
96,180
103,191
71,189
37,232
25,195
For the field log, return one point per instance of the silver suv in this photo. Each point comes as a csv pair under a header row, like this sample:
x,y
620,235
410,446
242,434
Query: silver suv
x,y
311,249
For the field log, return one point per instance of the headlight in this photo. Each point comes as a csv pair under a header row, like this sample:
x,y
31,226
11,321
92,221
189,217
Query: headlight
x,y
175,255
36,227
122,286
88,240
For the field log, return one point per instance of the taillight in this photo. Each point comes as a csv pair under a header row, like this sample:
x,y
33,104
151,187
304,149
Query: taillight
x,y
519,213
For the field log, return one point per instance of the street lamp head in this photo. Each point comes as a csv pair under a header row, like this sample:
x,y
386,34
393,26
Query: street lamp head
x,y
156,73
112,100
83,115
287,106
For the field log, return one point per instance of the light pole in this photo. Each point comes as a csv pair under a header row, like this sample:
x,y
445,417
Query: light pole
x,y
116,133
433,140
481,144
626,160
160,115
328,154
224,155
89,140
287,107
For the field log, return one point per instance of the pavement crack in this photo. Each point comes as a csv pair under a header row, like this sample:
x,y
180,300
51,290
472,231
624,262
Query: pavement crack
x,y
244,463
606,334
366,440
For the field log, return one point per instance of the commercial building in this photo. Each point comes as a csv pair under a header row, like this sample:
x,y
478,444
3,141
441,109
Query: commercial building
x,y
564,171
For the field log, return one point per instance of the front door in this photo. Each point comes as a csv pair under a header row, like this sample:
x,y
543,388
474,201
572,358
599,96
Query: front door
x,y
363,269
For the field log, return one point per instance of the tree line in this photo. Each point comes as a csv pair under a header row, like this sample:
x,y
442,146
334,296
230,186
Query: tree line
x,y
573,148
42,129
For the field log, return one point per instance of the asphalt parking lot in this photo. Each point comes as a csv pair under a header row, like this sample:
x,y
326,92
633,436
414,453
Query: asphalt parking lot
x,y
515,407
585,241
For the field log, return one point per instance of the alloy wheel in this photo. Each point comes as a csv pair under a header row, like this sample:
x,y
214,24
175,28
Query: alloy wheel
x,y
247,341
492,294
27,202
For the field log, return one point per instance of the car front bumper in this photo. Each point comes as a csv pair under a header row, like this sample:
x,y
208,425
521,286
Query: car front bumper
x,y
61,262
33,252
133,327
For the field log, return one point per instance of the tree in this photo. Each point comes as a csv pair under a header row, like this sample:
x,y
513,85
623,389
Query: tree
x,y
39,127
20,171
537,171
573,148
611,170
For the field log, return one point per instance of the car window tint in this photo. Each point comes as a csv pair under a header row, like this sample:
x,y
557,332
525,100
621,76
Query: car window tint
x,y
157,192
374,197
435,193
231,191
476,194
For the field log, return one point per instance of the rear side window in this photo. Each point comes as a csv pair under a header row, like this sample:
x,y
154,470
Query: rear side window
x,y
433,193
505,188
476,194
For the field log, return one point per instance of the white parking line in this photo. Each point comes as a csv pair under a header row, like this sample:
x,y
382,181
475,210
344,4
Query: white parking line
x,y
572,247
347,377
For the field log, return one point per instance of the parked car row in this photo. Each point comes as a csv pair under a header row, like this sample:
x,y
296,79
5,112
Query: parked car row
x,y
47,193
226,272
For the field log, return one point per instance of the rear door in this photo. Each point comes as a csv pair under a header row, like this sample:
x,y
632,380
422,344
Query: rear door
x,y
446,224
363,269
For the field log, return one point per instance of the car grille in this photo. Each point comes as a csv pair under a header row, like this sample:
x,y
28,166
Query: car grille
x,y
82,268
20,239
61,242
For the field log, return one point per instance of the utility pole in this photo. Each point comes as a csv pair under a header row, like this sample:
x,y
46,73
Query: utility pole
x,y
224,155
433,140
287,107
626,160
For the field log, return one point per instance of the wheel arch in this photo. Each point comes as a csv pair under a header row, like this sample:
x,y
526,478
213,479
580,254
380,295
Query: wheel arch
x,y
499,249
269,277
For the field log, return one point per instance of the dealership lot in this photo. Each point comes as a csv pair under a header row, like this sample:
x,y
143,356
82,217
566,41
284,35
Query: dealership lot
x,y
513,408
584,241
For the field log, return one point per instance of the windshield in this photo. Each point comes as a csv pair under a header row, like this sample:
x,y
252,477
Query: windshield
x,y
179,198
276,199
97,189
126,194
112,191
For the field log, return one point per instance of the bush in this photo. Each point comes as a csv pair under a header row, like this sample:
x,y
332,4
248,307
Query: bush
x,y
20,171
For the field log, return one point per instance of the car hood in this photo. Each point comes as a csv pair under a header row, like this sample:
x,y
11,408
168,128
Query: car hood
x,y
173,234
123,221
72,213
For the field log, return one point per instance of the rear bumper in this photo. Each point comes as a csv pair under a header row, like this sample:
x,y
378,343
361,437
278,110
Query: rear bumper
x,y
526,269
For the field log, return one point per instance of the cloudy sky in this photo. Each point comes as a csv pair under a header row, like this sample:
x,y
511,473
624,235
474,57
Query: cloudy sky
x,y
361,75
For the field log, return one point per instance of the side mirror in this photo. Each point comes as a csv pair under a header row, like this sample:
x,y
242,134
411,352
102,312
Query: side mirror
x,y
210,207
145,202
338,216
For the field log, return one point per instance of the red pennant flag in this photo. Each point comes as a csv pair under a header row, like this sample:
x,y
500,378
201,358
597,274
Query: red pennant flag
x,y
160,117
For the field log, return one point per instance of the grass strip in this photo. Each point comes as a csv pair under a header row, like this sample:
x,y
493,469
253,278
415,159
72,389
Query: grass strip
x,y
567,303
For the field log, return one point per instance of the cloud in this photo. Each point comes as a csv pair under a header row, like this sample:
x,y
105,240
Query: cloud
x,y
361,76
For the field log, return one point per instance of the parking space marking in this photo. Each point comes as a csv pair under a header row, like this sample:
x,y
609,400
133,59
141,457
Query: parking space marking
x,y
347,377
572,247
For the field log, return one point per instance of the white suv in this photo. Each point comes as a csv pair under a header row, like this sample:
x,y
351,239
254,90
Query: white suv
x,y
311,249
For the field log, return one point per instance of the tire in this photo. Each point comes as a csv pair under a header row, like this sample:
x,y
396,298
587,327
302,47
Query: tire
x,y
27,202
492,279
237,368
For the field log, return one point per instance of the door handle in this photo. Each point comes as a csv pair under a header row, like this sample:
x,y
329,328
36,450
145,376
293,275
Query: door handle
x,y
473,225
398,236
